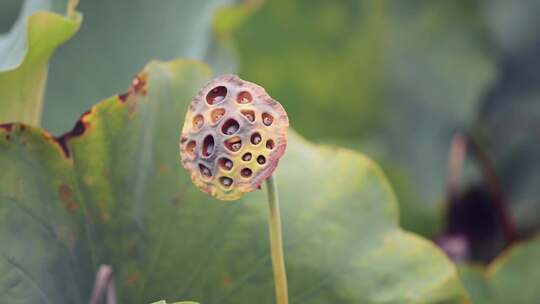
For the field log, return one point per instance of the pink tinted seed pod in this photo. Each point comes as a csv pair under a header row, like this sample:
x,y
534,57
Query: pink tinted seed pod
x,y
233,137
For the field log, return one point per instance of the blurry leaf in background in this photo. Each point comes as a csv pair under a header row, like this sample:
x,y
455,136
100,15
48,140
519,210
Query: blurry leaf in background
x,y
512,278
117,38
324,59
24,57
512,24
508,125
118,169
511,135
393,78
8,14
440,69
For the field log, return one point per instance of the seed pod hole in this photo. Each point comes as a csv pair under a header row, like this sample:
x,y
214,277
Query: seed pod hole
x,y
270,144
230,127
233,144
249,115
246,157
246,172
190,148
216,95
261,159
244,97
256,138
226,181
267,119
216,115
225,163
208,146
198,122
205,171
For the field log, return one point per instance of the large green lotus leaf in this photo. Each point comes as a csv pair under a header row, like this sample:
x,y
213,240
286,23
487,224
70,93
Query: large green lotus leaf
x,y
24,56
394,77
511,278
112,191
119,37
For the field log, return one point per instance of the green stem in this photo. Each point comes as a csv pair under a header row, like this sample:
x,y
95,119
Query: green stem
x,y
276,243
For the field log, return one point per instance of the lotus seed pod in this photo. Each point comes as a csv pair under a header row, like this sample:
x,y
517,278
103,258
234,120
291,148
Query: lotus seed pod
x,y
233,137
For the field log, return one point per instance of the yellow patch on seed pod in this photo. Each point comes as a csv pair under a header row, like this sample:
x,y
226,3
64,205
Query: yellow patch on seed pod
x,y
233,137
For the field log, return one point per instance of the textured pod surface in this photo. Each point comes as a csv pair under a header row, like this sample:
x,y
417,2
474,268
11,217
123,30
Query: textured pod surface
x,y
233,136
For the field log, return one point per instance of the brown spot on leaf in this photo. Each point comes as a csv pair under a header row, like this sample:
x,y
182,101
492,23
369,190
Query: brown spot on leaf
x,y
123,97
139,84
6,126
132,109
64,191
164,169
227,282
78,130
132,278
72,207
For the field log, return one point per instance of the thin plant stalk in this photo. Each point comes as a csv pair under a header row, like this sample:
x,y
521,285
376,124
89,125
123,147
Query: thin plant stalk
x,y
104,285
276,243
